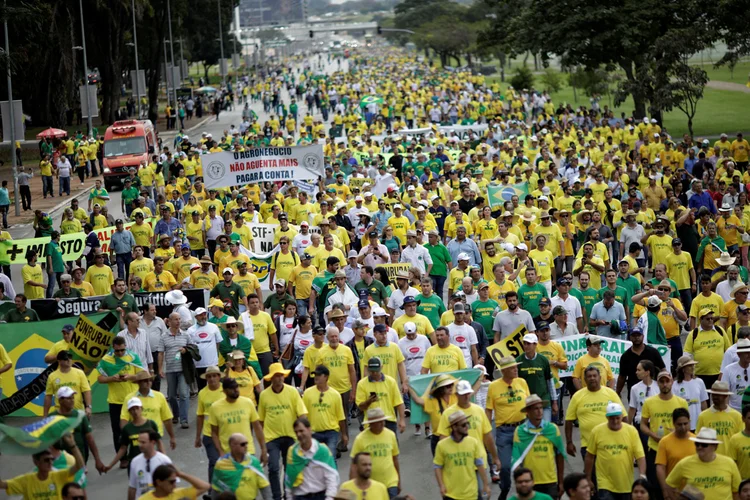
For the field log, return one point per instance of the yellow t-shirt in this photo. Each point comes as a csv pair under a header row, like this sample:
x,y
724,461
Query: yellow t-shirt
x,y
101,278
593,273
678,267
141,267
659,413
459,461
155,407
713,302
142,234
118,391
554,237
33,273
75,379
726,423
739,451
424,327
85,287
249,282
615,452
589,409
188,493
601,364
31,487
507,401
448,359
432,408
325,409
376,490
247,380
390,355
400,226
337,361
207,281
263,328
716,479
544,261
234,262
278,411
310,358
195,230
206,398
302,277
455,276
673,449
181,267
708,350
283,264
387,390
162,283
382,448
553,352
233,417
479,424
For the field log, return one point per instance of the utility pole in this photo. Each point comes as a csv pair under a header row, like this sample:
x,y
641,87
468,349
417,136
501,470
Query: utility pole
x,y
171,51
221,44
137,69
166,75
85,71
12,117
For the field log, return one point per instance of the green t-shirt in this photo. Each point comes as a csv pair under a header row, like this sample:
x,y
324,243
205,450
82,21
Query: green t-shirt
x,y
127,303
79,433
130,194
276,304
53,250
75,293
529,297
536,372
323,286
632,286
13,316
621,294
440,258
431,307
483,313
537,496
129,436
376,289
229,295
218,321
436,165
590,297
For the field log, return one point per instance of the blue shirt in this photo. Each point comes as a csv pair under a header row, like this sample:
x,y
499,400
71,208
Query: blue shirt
x,y
4,196
702,200
122,242
468,246
689,163
162,227
380,219
616,312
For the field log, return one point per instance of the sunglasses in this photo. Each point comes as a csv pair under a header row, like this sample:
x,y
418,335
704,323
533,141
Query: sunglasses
x,y
231,326
702,445
120,350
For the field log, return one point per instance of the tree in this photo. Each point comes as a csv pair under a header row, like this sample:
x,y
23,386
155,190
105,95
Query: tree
x,y
552,80
523,79
202,31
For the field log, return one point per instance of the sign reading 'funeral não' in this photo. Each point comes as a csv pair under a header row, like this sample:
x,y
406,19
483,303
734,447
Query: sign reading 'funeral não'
x,y
298,163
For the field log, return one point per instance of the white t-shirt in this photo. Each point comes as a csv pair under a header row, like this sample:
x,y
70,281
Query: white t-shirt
x,y
730,356
140,479
737,378
463,336
301,241
303,340
571,305
694,392
346,335
391,335
396,300
206,337
638,395
471,298
414,352
286,331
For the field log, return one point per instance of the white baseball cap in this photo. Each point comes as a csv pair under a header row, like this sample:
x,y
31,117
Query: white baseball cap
x,y
65,392
410,327
133,402
464,387
199,311
463,256
531,338
379,311
613,410
227,270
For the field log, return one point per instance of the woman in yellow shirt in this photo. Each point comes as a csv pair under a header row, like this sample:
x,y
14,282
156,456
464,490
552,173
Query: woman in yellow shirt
x,y
438,396
246,377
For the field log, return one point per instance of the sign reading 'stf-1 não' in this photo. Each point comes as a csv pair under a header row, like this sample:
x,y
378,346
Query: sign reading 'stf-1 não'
x,y
299,163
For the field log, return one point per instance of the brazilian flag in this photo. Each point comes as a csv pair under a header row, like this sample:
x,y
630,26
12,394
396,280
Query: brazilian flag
x,y
370,99
497,195
420,383
37,436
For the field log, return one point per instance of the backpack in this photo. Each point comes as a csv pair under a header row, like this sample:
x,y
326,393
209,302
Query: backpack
x,y
719,329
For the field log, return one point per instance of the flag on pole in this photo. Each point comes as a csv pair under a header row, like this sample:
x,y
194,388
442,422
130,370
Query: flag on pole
x,y
420,383
370,99
497,195
37,436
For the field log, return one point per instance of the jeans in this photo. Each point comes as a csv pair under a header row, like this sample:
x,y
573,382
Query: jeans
x,y
123,265
47,186
25,196
593,470
265,359
676,346
392,492
686,297
504,444
302,306
277,450
547,413
330,438
156,384
64,183
651,471
178,394
610,495
212,453
114,422
438,284
52,279
4,210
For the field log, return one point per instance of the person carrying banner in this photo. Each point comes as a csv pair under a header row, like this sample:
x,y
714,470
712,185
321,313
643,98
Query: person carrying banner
x,y
593,358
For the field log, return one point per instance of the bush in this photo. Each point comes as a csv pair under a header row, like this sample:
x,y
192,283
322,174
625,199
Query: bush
x,y
552,80
523,79
593,82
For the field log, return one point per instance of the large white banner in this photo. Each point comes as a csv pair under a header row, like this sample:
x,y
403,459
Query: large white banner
x,y
612,349
462,131
297,163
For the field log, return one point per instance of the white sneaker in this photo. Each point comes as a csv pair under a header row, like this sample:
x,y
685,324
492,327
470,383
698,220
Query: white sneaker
x,y
418,430
427,433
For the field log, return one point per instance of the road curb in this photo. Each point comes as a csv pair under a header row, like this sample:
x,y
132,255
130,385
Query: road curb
x,y
57,208
171,134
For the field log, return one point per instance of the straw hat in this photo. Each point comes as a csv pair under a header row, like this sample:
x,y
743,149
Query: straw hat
x,y
232,321
531,401
143,375
373,415
211,370
580,215
686,360
456,418
442,380
275,369
237,354
725,259
706,435
528,216
506,362
720,388
543,236
739,286
743,345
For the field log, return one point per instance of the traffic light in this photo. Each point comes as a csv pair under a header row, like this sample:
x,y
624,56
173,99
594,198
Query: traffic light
x,y
380,30
312,34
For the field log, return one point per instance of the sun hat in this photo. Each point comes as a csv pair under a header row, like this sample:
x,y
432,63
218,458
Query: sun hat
x,y
706,435
442,380
276,369
232,321
725,259
686,360
176,297
743,345
528,216
531,401
720,388
211,370
739,286
456,417
506,362
374,415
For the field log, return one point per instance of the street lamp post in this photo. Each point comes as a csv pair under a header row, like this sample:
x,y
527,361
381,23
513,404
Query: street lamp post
x,y
171,49
85,69
11,114
137,68
221,43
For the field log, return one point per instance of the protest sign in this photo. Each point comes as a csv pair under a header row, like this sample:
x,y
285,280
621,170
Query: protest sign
x,y
27,344
462,131
358,182
263,164
91,341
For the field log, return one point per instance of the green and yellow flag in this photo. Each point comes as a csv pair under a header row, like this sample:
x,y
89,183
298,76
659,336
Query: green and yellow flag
x,y
497,195
37,436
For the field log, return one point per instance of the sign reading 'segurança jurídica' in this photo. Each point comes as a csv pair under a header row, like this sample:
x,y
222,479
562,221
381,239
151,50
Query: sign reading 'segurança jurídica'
x,y
298,163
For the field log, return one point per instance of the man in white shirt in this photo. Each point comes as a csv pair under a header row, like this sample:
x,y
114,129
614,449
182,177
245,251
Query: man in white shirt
x,y
398,298
571,304
730,355
561,327
379,317
144,464
207,337
303,239
507,322
463,335
736,374
416,255
724,287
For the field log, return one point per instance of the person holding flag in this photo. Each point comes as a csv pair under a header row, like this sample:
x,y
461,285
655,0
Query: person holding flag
x,y
240,472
